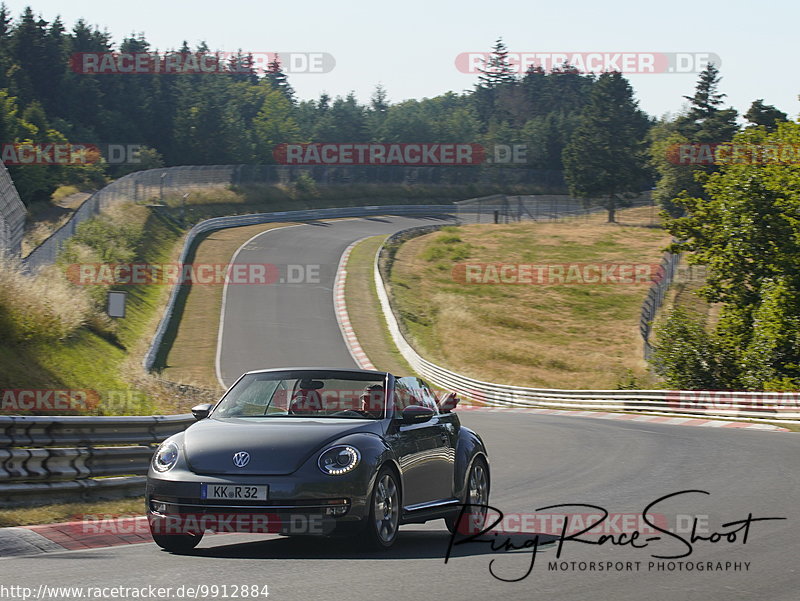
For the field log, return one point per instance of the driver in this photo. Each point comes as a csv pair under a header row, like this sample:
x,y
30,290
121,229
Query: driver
x,y
307,400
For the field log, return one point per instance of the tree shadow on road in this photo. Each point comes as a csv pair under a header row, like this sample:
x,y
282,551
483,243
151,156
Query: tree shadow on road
x,y
410,544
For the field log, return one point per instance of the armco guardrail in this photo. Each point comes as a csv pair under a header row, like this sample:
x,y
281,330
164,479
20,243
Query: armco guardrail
x,y
49,459
12,215
219,223
756,406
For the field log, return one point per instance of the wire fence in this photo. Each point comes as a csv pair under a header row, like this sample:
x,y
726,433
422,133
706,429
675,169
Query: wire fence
x,y
141,186
655,298
398,174
12,215
155,184
501,208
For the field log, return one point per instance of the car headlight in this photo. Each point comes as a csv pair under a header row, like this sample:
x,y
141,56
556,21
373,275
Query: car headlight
x,y
339,460
165,457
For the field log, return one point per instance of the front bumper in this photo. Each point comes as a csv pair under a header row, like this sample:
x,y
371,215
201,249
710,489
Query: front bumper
x,y
300,506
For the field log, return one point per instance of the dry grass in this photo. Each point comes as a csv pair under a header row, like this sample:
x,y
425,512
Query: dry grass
x,y
41,307
63,192
68,512
550,336
683,293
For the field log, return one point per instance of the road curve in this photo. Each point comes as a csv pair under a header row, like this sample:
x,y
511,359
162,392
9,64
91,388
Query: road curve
x,y
536,460
293,323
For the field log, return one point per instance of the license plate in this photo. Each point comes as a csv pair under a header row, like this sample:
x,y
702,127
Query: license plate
x,y
233,492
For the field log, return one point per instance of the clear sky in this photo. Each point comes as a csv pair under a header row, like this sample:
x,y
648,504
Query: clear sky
x,y
410,46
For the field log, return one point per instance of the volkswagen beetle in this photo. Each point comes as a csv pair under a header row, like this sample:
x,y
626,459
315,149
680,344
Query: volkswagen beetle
x,y
320,452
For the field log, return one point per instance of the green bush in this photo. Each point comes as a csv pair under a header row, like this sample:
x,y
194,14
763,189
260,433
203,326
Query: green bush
x,y
690,358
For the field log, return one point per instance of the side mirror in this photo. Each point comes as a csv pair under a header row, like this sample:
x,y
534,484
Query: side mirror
x,y
201,411
417,414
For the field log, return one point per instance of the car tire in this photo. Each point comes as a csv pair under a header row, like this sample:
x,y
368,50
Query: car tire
x,y
177,543
476,493
383,521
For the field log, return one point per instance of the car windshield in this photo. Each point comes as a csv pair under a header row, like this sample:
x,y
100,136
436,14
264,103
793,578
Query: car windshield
x,y
315,394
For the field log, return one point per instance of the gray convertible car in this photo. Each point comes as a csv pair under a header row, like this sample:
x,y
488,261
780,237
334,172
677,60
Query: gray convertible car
x,y
322,452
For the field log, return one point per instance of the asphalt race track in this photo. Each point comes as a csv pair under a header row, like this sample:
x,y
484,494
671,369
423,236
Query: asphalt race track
x,y
294,324
536,461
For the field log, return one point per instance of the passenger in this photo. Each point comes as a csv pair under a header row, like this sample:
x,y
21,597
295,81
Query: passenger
x,y
448,403
306,402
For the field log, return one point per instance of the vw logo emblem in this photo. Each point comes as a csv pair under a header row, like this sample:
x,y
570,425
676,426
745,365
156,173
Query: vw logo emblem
x,y
241,459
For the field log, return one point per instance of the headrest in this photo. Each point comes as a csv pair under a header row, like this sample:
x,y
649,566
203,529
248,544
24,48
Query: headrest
x,y
307,384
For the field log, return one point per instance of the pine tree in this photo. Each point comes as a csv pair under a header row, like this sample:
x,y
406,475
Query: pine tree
x,y
5,45
705,121
496,70
28,51
765,115
278,79
496,74
604,160
379,106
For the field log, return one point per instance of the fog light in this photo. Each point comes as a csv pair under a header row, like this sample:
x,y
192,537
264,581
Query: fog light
x,y
337,507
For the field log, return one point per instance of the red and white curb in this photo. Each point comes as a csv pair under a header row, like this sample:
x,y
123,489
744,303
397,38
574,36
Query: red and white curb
x,y
73,536
340,307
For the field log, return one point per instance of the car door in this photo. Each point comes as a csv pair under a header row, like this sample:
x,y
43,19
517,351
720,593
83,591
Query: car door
x,y
445,455
423,450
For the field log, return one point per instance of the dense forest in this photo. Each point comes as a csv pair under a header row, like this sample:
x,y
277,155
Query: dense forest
x,y
240,113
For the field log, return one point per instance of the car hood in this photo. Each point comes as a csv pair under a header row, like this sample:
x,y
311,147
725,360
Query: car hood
x,y
277,446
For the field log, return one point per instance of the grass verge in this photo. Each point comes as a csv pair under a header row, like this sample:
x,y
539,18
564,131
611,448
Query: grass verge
x,y
364,309
551,336
100,355
69,512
